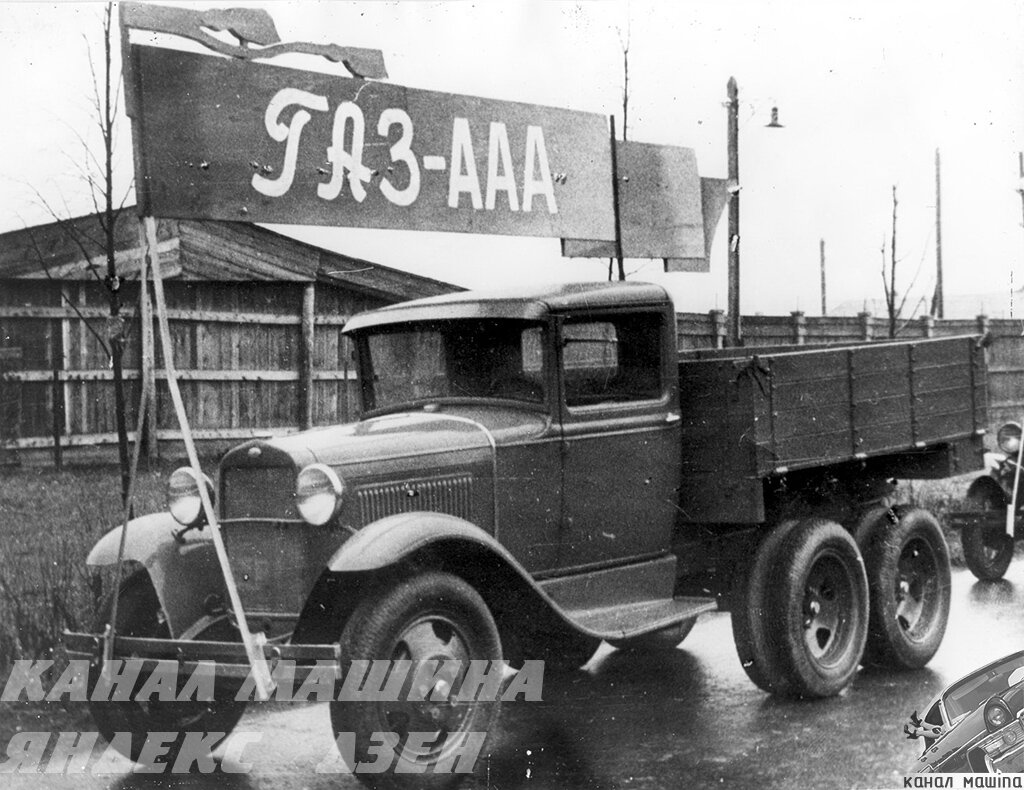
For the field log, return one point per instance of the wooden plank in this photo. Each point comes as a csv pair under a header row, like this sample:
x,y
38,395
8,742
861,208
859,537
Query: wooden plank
x,y
306,357
183,375
822,392
811,421
871,386
943,401
813,449
882,410
216,317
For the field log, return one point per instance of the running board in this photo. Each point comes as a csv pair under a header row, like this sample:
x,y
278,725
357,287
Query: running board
x,y
642,617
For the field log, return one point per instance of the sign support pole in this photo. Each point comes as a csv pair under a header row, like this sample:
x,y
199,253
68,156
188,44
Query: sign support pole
x,y
253,642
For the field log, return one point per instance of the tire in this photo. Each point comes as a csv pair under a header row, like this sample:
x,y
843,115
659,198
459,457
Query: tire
x,y
665,639
431,615
987,550
818,609
139,615
875,522
909,583
751,630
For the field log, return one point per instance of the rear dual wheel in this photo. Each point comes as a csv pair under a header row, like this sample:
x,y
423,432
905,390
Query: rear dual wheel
x,y
800,614
908,570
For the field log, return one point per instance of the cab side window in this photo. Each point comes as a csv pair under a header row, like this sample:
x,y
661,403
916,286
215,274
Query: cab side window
x,y
610,359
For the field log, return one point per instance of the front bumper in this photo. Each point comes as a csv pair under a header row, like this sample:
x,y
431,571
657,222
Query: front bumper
x,y
228,659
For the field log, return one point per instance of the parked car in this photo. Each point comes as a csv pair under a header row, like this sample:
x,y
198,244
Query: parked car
x,y
987,543
976,724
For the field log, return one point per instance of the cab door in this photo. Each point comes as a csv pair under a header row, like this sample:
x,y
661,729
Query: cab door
x,y
620,435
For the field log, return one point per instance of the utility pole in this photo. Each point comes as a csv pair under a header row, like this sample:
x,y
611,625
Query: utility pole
x,y
734,336
938,306
1020,186
824,300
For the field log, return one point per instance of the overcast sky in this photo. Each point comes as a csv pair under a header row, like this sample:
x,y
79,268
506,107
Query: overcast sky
x,y
866,92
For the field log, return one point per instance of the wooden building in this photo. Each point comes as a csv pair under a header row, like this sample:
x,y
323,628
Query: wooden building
x,y
245,304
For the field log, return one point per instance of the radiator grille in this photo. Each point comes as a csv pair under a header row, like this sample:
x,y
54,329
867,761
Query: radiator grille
x,y
259,492
450,495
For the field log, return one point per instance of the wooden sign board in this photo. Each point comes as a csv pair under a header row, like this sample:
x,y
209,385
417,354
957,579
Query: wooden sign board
x,y
665,209
232,140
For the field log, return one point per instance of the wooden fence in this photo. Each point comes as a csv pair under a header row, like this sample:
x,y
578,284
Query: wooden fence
x,y
266,357
252,359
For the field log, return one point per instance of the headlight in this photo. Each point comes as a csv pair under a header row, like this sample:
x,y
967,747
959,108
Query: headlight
x,y
318,491
183,497
1008,438
997,714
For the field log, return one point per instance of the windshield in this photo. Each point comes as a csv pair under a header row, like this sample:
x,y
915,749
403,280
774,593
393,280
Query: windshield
x,y
487,358
969,693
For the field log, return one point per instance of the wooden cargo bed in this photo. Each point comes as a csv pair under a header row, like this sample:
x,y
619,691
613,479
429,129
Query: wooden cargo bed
x,y
748,414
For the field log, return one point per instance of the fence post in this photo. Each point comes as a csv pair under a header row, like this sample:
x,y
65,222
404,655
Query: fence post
x,y
306,357
866,326
928,325
717,318
799,327
983,324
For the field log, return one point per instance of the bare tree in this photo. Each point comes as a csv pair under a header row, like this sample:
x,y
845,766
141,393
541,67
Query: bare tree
x,y
895,303
98,240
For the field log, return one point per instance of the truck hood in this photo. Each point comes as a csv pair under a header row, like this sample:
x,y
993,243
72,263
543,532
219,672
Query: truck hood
x,y
392,436
444,461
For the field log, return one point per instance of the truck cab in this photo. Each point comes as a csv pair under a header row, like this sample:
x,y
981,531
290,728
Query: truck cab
x,y
562,382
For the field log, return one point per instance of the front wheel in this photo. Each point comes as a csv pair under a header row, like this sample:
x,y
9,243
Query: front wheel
x,y
987,550
908,572
818,608
432,616
139,615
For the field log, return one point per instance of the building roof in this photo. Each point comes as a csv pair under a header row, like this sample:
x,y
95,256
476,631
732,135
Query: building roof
x,y
198,250
528,302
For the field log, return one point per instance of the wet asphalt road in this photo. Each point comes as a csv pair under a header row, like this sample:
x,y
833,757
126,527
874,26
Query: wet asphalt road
x,y
687,718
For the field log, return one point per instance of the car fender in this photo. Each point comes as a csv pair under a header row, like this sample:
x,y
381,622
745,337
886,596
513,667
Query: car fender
x,y
184,570
391,540
991,484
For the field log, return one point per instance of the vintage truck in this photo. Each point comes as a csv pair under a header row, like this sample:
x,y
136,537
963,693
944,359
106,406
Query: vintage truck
x,y
537,471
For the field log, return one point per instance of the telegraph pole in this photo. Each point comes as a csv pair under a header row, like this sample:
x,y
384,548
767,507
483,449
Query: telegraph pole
x,y
821,253
734,334
1020,186
938,306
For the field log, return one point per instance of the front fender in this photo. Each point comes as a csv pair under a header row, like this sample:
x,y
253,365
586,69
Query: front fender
x,y
184,572
146,536
391,540
394,538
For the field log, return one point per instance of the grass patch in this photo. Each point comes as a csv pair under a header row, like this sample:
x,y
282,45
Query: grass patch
x,y
50,521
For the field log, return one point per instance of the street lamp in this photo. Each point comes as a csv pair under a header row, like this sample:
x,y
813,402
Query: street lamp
x,y
734,333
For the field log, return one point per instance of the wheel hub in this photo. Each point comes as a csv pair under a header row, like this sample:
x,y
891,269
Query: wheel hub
x,y
433,639
916,571
827,598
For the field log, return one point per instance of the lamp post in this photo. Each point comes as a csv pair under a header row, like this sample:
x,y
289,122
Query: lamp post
x,y
734,334
734,330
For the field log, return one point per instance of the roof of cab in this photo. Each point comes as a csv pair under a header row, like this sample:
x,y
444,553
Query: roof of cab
x,y
523,302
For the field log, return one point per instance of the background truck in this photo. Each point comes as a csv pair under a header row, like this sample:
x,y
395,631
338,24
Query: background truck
x,y
538,471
